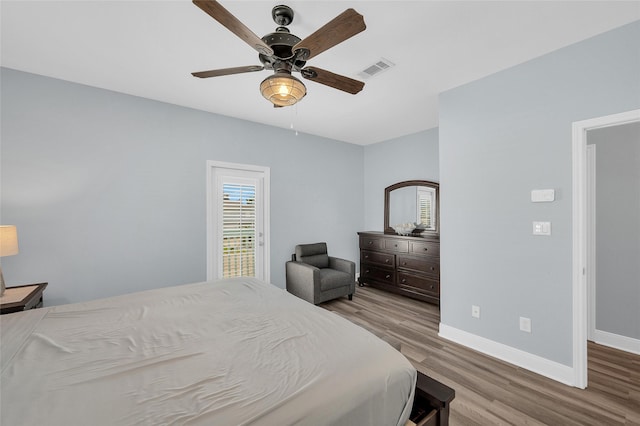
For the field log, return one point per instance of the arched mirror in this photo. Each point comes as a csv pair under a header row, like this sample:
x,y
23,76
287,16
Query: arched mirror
x,y
412,202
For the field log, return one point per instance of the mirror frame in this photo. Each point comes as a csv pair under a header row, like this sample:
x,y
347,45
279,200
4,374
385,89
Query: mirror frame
x,y
387,195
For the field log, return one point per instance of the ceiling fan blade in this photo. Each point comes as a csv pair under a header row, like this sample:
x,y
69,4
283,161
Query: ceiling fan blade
x,y
227,71
339,29
330,79
222,15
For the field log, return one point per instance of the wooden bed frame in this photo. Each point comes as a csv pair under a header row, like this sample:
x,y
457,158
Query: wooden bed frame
x,y
431,403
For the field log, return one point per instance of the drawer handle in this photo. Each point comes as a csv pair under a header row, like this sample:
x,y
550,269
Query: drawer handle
x,y
431,287
433,268
404,280
395,245
366,256
388,276
370,242
404,263
425,249
386,261
367,271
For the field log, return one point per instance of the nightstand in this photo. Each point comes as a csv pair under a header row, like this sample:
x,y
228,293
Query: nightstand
x,y
22,298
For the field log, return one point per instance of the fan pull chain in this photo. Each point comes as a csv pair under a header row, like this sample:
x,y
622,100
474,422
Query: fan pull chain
x,y
294,115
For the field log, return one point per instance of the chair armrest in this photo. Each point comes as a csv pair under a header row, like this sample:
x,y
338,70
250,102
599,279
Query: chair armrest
x,y
302,271
343,265
301,280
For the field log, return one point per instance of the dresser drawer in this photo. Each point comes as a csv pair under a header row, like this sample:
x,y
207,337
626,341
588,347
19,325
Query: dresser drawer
x,y
425,247
371,243
379,274
378,258
397,246
424,284
426,265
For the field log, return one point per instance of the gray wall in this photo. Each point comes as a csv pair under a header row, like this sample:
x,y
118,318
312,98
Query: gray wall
x,y
617,228
406,158
108,190
501,137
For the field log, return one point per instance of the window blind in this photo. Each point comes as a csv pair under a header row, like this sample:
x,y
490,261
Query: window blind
x,y
425,207
238,230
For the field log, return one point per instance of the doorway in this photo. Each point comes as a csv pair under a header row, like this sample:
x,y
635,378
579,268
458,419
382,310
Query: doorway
x,y
581,234
613,244
237,221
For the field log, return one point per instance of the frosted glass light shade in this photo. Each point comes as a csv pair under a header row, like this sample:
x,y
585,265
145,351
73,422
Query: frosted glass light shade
x,y
282,89
8,240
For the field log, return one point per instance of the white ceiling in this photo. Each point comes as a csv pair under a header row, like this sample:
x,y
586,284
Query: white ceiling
x,y
149,49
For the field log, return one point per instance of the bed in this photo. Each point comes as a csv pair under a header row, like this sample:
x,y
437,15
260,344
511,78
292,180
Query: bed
x,y
230,352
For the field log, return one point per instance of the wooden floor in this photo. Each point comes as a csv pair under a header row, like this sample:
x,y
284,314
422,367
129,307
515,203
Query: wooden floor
x,y
492,392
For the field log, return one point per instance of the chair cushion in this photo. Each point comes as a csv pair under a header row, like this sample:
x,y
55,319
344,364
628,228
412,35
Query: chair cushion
x,y
330,279
313,254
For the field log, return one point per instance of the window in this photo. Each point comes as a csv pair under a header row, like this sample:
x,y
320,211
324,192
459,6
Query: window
x,y
238,230
426,202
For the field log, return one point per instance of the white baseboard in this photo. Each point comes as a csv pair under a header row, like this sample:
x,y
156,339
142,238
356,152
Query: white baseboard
x,y
535,363
624,343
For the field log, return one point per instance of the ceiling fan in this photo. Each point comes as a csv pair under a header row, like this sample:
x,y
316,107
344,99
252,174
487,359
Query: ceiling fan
x,y
285,53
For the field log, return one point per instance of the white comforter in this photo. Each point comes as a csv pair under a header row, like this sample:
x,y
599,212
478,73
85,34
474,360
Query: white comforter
x,y
230,352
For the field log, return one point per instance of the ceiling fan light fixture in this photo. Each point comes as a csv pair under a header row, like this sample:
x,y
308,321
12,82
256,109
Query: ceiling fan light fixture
x,y
282,89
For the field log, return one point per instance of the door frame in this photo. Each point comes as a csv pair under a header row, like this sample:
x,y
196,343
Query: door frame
x,y
591,241
212,204
580,233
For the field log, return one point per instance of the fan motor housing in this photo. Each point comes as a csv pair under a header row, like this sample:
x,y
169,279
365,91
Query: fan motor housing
x,y
281,42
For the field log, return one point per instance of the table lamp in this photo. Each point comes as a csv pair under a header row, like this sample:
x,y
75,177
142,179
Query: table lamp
x,y
8,247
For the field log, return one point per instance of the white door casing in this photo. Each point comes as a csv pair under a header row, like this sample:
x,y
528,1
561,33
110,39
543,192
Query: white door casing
x,y
591,241
580,233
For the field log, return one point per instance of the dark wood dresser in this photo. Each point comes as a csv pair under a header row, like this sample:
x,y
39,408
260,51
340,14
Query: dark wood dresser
x,y
405,265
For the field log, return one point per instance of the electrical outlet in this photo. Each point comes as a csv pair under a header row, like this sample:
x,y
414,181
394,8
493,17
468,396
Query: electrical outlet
x,y
525,324
475,311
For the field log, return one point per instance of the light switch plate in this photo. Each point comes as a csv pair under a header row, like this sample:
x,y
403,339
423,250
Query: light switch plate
x,y
541,228
543,195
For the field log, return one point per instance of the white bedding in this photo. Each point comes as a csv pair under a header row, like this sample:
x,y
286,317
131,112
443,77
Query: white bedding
x,y
230,352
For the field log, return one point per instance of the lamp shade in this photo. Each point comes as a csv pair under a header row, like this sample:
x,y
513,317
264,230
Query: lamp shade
x,y
8,240
282,89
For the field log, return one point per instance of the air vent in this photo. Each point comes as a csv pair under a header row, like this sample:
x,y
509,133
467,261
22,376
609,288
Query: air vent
x,y
379,67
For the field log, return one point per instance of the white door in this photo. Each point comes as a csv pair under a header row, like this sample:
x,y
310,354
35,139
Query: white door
x,y
237,221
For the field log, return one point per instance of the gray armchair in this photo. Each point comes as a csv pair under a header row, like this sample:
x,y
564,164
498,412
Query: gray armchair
x,y
316,277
